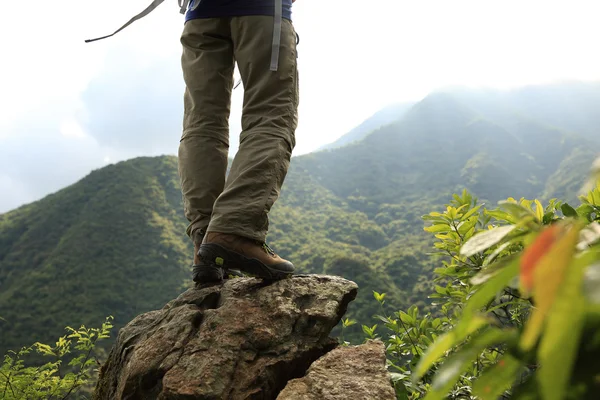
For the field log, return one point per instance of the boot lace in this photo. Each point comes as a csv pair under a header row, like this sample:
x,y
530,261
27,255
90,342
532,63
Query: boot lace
x,y
268,249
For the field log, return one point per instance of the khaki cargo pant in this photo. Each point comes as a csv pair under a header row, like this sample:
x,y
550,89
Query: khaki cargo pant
x,y
240,203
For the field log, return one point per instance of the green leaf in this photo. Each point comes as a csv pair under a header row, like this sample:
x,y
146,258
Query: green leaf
x,y
399,387
501,216
492,257
450,371
562,333
369,331
548,217
397,376
585,211
469,213
440,289
438,228
404,317
484,240
495,380
379,296
493,269
486,292
515,210
444,343
465,226
414,312
568,211
539,210
348,322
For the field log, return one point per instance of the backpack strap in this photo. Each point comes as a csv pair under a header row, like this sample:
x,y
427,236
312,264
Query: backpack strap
x,y
183,7
141,15
278,16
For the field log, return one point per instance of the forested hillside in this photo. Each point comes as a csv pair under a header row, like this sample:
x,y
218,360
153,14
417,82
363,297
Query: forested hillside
x,y
114,243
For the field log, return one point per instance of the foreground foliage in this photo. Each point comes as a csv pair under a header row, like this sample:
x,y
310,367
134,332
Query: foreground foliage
x,y
519,305
53,380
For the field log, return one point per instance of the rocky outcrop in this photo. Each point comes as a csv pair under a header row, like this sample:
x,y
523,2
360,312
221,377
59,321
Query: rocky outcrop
x,y
354,372
244,339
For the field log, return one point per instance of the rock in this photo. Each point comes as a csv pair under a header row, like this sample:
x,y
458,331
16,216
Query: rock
x,y
353,372
244,339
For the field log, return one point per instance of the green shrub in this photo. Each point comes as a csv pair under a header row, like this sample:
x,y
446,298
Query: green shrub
x,y
518,305
53,380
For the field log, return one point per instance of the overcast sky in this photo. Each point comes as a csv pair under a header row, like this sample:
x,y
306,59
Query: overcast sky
x,y
67,107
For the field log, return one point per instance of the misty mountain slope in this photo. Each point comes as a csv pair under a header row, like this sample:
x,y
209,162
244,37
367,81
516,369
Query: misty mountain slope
x,y
385,116
570,106
441,146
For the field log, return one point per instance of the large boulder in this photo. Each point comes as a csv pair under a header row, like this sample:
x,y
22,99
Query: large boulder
x,y
352,372
244,339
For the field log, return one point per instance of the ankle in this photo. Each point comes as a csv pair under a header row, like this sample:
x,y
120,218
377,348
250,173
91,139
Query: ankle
x,y
198,236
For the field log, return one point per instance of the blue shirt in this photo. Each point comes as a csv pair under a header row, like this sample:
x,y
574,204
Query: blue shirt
x,y
237,8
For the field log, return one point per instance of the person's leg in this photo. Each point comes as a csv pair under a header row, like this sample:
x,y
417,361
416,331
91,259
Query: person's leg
x,y
207,63
269,121
240,216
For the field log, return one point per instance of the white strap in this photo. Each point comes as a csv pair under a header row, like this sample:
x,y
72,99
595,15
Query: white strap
x,y
141,15
276,34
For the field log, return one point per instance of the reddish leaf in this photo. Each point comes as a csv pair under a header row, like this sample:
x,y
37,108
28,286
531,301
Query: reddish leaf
x,y
533,253
548,277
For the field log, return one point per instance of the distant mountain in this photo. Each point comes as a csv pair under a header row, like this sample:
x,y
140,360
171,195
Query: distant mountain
x,y
114,242
383,117
443,145
571,106
110,244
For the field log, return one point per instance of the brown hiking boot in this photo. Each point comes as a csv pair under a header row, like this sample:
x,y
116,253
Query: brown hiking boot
x,y
246,255
208,273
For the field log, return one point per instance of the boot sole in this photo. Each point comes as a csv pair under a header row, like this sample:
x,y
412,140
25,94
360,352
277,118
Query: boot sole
x,y
218,256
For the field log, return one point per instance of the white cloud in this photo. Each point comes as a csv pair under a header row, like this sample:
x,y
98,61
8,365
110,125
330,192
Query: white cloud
x,y
70,128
